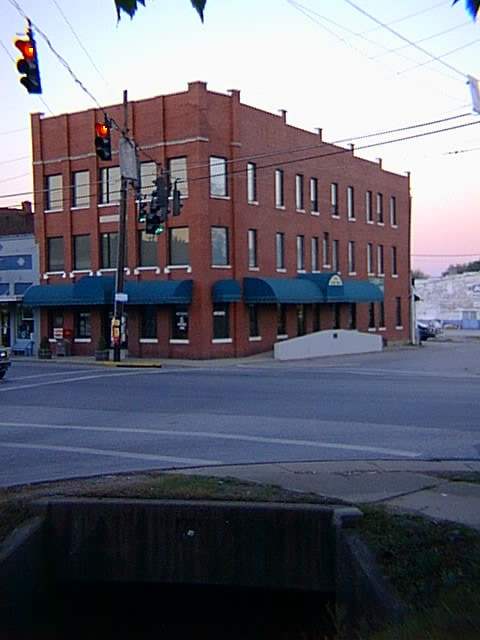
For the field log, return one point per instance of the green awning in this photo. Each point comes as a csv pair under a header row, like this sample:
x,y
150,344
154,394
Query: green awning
x,y
163,292
361,291
89,291
329,283
280,291
226,291
49,295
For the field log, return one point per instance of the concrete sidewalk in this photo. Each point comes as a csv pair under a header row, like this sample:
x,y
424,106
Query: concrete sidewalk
x,y
428,488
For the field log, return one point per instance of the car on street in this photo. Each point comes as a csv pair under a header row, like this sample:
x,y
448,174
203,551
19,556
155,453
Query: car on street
x,y
4,362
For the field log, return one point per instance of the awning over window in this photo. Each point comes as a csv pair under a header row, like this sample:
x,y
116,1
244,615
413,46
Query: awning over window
x,y
330,284
280,291
89,291
49,295
362,291
163,292
335,289
226,291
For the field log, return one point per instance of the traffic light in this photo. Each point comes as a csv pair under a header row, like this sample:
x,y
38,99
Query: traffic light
x,y
142,210
27,65
176,201
103,141
153,224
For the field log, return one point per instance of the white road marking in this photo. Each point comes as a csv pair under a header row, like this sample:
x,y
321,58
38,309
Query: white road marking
x,y
17,387
43,375
222,436
109,452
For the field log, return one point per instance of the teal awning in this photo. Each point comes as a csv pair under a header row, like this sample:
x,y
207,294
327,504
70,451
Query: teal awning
x,y
362,291
330,284
49,295
163,292
226,291
280,291
89,291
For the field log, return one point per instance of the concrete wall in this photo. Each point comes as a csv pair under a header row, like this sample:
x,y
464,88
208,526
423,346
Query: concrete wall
x,y
451,299
327,343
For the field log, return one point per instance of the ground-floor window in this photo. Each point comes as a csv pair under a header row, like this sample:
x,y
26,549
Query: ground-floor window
x,y
336,316
371,315
316,317
301,320
55,321
381,316
179,319
221,321
24,323
83,324
281,320
148,322
4,327
398,311
253,321
353,316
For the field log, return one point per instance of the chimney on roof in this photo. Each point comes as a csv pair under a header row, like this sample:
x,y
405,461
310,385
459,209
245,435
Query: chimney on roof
x,y
235,94
27,206
379,160
352,148
283,115
319,132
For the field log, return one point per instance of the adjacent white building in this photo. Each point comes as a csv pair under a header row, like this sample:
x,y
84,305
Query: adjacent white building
x,y
453,299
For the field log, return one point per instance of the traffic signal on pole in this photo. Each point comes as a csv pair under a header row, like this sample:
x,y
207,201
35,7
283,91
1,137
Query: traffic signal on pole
x,y
142,211
157,215
103,140
27,64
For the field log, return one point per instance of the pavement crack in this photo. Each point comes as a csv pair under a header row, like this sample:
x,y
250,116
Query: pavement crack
x,y
404,494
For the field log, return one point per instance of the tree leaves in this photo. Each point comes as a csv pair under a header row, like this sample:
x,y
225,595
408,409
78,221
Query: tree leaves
x,y
130,7
472,6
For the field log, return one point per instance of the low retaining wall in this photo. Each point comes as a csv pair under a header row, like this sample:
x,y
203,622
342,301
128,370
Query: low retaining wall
x,y
327,343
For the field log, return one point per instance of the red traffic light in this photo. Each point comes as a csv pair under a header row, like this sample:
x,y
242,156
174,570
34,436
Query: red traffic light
x,y
26,48
102,130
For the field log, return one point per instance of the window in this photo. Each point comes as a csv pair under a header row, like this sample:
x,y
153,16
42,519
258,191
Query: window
x,y
316,317
218,177
393,211
381,319
148,322
380,264
221,322
336,255
334,198
109,250
300,253
370,268
81,252
179,243
299,195
394,262
352,323
83,324
219,243
371,315
326,249
25,323
110,184
54,193
380,208
351,257
177,169
314,195
350,203
301,319
81,189
55,254
253,321
179,319
314,247
251,182
280,250
148,175
398,312
55,321
368,206
336,316
147,250
252,249
279,193
281,320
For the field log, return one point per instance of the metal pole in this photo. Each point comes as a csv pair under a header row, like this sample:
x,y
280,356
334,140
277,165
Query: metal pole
x,y
120,275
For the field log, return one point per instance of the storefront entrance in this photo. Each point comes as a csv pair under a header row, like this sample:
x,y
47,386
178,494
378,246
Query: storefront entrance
x,y
4,327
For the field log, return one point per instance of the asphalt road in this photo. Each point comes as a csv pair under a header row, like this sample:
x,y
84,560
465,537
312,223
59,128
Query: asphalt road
x,y
70,420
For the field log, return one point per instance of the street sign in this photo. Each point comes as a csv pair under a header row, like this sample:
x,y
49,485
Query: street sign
x,y
121,297
128,160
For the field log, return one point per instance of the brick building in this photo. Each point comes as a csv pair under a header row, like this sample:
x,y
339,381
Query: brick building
x,y
273,240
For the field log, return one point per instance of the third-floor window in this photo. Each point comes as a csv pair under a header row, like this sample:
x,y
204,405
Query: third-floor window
x,y
177,169
350,203
251,182
219,239
280,250
279,193
299,195
81,189
393,211
252,249
54,193
109,185
334,198
380,208
314,195
218,177
148,175
300,253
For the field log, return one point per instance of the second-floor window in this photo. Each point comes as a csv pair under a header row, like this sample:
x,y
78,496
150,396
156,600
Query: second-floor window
x,y
219,240
350,203
300,253
109,250
54,193
336,255
380,208
218,177
147,250
280,250
370,268
394,262
326,249
252,249
314,195
177,170
179,246
393,211
299,195
110,184
351,257
380,263
81,252
251,182
369,206
148,175
334,198
55,254
314,247
279,193
81,189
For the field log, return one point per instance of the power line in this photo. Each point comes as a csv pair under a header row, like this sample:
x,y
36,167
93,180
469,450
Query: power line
x,y
7,133
14,160
411,15
448,153
443,55
445,255
402,37
22,175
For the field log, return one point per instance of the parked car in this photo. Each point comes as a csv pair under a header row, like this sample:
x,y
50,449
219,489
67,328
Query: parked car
x,y
424,332
4,362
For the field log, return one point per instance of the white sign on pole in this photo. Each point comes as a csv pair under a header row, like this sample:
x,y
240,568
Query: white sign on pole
x,y
128,160
121,297
475,91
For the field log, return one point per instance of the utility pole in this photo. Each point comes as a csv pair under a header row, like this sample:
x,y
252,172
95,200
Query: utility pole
x,y
120,298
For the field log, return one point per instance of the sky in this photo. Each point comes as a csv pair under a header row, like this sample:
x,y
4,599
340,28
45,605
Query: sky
x,y
324,61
